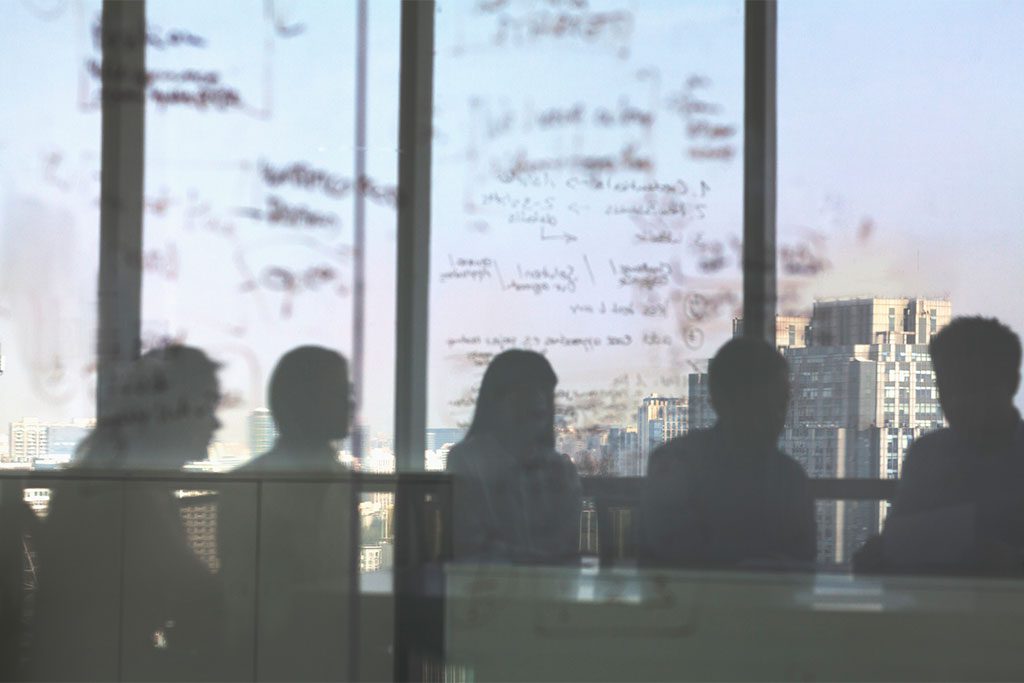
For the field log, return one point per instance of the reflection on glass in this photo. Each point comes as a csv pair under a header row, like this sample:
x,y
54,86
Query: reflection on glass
x,y
586,205
49,241
891,220
251,194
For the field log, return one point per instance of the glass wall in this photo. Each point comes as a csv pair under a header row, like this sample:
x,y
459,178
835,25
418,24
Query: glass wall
x,y
587,205
897,134
252,182
49,232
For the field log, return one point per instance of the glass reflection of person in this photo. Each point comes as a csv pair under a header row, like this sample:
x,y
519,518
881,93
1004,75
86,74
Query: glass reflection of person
x,y
727,497
310,400
306,551
515,498
959,505
159,416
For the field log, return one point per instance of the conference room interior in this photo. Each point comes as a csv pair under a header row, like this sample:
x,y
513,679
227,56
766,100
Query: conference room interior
x,y
284,285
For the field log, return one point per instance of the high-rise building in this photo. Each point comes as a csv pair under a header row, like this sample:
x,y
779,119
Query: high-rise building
x,y
28,440
620,448
790,330
45,445
659,419
262,431
845,322
701,414
862,390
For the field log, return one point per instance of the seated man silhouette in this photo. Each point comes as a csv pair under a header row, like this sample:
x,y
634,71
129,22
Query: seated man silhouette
x,y
295,566
310,402
727,497
959,506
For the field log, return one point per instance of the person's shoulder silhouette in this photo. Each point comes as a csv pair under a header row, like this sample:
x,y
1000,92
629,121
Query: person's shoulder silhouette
x,y
301,525
727,496
516,498
959,505
159,414
311,404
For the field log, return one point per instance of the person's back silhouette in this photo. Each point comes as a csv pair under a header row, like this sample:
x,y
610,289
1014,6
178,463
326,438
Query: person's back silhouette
x,y
515,498
959,506
164,611
727,497
306,551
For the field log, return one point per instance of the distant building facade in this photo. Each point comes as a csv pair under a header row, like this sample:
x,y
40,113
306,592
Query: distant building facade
x,y
262,431
862,390
45,445
28,440
621,448
659,419
702,415
790,330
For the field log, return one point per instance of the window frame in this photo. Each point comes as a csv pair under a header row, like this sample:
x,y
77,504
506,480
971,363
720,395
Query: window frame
x,y
122,205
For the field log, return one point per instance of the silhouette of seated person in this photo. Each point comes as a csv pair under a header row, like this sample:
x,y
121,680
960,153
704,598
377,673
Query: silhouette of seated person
x,y
515,498
727,497
959,505
306,551
310,401
117,575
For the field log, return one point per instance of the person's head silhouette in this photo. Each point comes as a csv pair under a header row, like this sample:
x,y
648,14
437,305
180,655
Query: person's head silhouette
x,y
310,396
977,369
184,413
160,413
517,399
748,380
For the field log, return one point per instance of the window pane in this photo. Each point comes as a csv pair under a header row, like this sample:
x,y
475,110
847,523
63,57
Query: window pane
x,y
49,231
250,186
587,205
896,183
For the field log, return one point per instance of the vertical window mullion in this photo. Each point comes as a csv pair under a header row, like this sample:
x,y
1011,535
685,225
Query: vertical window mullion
x,y
122,186
415,126
759,167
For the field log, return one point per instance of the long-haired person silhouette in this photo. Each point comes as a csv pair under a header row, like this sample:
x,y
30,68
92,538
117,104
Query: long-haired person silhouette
x,y
516,499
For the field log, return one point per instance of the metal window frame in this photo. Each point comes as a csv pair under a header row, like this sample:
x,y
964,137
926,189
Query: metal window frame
x,y
414,183
122,204
122,209
759,169
415,130
122,187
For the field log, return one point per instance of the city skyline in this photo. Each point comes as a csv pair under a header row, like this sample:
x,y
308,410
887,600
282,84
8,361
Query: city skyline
x,y
622,449
841,227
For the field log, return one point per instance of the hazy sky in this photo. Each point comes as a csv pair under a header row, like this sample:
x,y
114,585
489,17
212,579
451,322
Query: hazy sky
x,y
899,144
